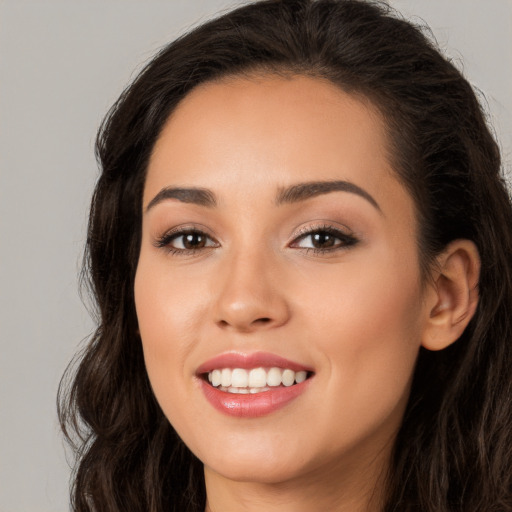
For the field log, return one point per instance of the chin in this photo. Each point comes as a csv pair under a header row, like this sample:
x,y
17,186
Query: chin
x,y
258,461
266,471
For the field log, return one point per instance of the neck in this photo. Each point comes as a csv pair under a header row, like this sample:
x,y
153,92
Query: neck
x,y
357,488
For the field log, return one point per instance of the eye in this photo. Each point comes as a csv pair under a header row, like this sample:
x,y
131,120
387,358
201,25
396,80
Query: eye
x,y
189,241
185,241
325,239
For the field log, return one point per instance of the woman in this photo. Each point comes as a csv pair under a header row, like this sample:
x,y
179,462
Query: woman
x,y
300,250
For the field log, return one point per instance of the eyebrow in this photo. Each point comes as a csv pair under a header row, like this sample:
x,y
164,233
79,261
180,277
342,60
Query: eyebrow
x,y
288,195
199,196
303,191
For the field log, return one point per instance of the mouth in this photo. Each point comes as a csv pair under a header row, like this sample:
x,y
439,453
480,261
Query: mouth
x,y
252,385
255,380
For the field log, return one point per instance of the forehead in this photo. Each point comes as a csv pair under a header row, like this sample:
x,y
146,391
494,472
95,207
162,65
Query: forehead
x,y
260,131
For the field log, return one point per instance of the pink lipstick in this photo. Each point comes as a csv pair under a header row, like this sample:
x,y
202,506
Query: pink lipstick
x,y
252,385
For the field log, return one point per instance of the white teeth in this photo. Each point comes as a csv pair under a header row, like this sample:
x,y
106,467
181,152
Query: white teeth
x,y
258,390
244,391
257,378
239,380
216,377
274,377
300,377
288,378
225,379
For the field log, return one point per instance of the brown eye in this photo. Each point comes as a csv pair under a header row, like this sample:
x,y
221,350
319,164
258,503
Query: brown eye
x,y
186,241
323,240
190,241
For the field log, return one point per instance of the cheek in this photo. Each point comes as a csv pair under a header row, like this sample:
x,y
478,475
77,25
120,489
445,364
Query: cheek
x,y
169,311
368,329
168,304
366,325
373,295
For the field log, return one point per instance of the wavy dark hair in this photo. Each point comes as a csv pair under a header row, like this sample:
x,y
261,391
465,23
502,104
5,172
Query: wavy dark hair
x,y
453,452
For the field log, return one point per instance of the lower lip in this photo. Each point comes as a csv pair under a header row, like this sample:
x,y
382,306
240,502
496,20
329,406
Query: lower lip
x,y
252,405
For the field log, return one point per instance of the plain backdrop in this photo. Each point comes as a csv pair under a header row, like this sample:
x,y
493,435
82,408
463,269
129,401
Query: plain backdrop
x,y
62,64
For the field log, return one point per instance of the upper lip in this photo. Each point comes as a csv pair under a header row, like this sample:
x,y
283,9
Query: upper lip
x,y
250,360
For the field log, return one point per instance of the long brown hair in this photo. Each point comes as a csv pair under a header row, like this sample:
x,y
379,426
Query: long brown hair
x,y
453,452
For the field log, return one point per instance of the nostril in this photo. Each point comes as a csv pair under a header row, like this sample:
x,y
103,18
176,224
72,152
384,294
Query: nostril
x,y
246,324
262,320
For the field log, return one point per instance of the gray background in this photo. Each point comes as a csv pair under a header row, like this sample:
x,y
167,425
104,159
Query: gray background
x,y
62,64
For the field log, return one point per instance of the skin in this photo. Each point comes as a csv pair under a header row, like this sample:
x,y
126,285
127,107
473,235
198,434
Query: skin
x,y
357,314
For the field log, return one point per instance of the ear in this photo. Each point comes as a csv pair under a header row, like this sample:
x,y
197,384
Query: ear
x,y
452,297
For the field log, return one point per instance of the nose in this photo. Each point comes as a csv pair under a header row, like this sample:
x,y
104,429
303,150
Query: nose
x,y
251,296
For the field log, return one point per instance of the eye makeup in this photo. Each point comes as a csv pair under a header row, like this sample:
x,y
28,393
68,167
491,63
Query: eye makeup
x,y
318,239
322,239
185,240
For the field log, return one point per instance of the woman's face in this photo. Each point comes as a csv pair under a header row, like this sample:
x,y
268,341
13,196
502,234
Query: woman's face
x,y
277,242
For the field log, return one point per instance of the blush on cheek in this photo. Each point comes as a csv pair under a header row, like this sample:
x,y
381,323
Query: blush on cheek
x,y
374,341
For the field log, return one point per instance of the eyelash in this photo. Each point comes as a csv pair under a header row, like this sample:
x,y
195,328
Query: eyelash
x,y
164,242
345,240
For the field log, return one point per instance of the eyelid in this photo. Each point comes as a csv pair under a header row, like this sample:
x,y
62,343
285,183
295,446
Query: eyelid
x,y
346,238
345,235
162,241
321,225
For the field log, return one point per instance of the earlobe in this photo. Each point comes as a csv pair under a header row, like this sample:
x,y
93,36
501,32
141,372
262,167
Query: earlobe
x,y
452,297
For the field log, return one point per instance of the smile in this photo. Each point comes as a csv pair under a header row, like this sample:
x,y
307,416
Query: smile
x,y
257,380
252,385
